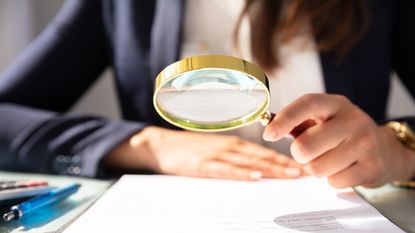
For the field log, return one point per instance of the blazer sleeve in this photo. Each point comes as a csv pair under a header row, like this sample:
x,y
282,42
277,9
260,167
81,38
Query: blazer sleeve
x,y
47,78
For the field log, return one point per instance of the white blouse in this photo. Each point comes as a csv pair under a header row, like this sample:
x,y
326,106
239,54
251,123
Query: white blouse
x,y
208,29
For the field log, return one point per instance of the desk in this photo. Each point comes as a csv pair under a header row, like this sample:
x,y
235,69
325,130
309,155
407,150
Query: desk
x,y
395,203
56,217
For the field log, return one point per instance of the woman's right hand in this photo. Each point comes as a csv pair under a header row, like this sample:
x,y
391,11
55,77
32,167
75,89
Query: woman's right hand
x,y
201,155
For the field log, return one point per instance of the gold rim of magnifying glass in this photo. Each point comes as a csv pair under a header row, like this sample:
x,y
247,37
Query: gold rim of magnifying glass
x,y
211,62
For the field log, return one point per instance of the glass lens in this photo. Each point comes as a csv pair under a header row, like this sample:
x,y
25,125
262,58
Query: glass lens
x,y
212,98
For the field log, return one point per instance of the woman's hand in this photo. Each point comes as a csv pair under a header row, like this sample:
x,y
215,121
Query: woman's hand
x,y
336,139
202,155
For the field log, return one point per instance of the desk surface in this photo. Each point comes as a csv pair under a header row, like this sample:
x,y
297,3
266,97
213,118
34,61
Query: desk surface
x,y
57,217
396,204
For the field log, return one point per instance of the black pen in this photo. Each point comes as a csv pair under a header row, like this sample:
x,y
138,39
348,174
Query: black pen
x,y
18,211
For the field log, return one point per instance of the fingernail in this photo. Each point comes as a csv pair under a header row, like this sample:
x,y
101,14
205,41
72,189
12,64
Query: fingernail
x,y
255,175
270,135
292,171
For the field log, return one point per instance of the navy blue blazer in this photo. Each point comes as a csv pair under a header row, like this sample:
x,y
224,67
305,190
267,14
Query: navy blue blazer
x,y
138,39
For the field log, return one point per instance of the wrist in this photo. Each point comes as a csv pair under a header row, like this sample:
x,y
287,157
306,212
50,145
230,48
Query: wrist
x,y
405,155
133,153
403,133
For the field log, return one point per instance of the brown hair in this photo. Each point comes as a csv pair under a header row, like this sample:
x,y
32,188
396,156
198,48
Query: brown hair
x,y
337,25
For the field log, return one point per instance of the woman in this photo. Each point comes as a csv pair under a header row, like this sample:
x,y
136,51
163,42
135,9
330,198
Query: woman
x,y
139,38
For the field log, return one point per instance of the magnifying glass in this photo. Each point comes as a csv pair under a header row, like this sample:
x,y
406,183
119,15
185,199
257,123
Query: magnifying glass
x,y
212,93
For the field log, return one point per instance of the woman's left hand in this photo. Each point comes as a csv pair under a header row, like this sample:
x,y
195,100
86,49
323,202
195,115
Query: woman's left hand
x,y
336,139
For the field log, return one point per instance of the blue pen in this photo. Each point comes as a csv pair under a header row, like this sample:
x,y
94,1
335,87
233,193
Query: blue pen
x,y
55,195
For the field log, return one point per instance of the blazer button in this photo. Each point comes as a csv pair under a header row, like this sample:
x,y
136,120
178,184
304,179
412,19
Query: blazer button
x,y
74,170
68,164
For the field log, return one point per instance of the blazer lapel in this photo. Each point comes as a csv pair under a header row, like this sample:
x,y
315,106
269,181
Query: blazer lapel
x,y
166,34
338,76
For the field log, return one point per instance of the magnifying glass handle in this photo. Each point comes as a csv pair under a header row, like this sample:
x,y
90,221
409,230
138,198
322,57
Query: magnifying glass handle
x,y
266,118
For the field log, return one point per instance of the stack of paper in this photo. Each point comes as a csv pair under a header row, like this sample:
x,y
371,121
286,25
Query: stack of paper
x,y
169,204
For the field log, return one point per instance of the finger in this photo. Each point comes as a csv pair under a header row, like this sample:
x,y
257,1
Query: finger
x,y
271,155
223,170
317,107
302,127
279,171
269,169
319,139
251,148
373,185
245,160
287,161
333,161
354,175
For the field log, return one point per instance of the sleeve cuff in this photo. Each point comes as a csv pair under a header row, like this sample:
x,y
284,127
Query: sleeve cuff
x,y
101,143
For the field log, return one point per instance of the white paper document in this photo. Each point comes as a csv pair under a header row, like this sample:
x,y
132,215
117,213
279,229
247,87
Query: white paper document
x,y
171,204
